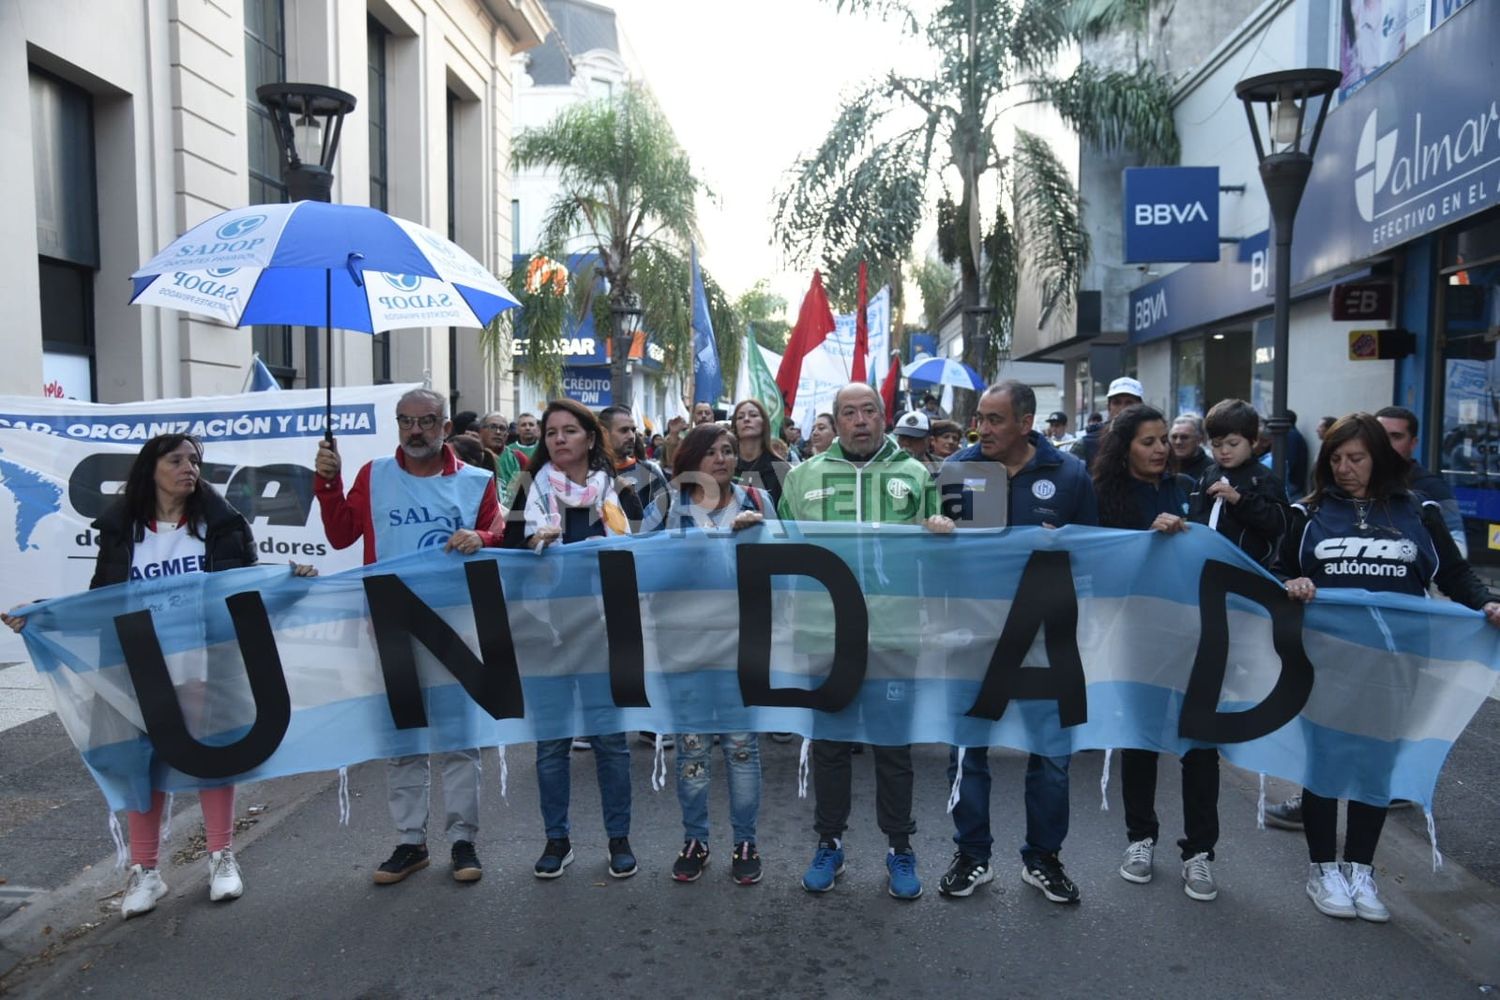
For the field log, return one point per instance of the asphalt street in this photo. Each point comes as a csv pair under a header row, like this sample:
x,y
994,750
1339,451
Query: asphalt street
x,y
311,923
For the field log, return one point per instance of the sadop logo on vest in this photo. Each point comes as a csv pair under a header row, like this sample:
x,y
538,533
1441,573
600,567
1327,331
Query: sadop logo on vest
x,y
443,526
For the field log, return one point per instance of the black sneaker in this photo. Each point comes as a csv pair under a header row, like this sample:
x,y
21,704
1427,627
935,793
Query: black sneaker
x,y
621,858
690,863
745,867
466,866
557,855
404,860
1045,871
964,876
1286,815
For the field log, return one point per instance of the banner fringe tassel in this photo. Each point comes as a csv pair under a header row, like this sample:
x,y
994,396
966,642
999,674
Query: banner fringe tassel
x,y
343,796
802,768
504,774
1260,804
166,818
958,778
1437,855
1104,781
122,854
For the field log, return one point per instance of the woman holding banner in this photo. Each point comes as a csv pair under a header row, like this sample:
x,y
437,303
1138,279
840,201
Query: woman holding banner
x,y
168,522
708,498
572,497
757,464
1136,491
1361,527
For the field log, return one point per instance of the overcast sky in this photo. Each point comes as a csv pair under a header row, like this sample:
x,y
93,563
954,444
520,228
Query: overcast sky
x,y
748,87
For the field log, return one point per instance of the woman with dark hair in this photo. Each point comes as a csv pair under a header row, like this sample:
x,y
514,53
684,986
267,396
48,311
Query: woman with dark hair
x,y
167,522
704,495
821,435
1362,527
1136,491
757,464
572,497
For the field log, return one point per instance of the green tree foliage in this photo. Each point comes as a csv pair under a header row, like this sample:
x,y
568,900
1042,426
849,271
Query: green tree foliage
x,y
861,192
765,313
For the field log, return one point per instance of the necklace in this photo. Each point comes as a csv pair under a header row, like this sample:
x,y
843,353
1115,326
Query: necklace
x,y
1362,509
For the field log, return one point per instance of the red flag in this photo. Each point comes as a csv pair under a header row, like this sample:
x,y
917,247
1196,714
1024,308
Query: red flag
x,y
861,327
814,323
888,389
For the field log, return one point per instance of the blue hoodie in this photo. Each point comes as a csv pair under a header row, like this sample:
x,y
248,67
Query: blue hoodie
x,y
1053,488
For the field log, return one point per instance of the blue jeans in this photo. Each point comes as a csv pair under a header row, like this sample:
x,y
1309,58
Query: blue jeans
x,y
742,764
1046,804
554,778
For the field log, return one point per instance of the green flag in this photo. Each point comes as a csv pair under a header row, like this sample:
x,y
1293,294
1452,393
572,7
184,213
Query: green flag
x,y
763,384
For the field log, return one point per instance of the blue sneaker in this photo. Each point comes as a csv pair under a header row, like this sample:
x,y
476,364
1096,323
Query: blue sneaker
x,y
621,858
827,865
902,866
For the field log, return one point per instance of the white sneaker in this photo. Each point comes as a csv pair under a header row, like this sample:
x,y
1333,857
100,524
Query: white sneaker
x,y
1198,878
1367,904
1137,864
142,889
1329,891
224,880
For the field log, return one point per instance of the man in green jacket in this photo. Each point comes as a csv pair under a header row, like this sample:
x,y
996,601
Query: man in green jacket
x,y
865,478
516,458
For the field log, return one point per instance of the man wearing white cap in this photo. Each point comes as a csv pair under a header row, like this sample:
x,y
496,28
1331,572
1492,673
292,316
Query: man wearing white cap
x,y
1123,391
914,435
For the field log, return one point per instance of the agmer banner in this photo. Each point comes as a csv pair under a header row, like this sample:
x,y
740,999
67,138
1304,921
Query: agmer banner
x,y
63,461
1041,640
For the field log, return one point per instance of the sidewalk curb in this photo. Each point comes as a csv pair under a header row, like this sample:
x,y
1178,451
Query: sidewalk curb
x,y
52,919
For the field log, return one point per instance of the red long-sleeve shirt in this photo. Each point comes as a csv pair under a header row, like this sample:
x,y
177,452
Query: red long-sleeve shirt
x,y
346,519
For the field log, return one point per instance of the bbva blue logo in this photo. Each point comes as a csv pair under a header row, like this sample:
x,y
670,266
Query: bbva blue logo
x,y
235,228
404,282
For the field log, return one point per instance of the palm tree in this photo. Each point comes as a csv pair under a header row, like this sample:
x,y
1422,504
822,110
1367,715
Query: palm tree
x,y
862,192
625,214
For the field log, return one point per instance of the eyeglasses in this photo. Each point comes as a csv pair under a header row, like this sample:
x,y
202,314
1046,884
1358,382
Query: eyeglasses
x,y
426,421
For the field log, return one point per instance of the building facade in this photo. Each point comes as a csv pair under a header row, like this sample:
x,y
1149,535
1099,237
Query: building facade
x,y
143,122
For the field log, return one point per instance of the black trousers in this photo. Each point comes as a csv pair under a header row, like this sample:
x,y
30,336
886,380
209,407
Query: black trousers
x,y
1320,824
831,774
1200,798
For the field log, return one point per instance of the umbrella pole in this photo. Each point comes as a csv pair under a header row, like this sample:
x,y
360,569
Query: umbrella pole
x,y
328,356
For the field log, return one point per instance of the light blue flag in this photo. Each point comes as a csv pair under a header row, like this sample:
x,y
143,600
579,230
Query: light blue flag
x,y
708,377
261,379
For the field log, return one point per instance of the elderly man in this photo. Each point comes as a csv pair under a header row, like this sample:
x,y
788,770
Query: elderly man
x,y
1186,438
1123,392
703,413
862,477
914,434
1046,488
423,497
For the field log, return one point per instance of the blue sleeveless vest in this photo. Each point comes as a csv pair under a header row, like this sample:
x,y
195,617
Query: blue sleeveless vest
x,y
420,512
1393,552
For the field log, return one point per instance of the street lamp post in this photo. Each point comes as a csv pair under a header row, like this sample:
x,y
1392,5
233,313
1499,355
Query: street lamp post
x,y
308,120
1285,152
627,313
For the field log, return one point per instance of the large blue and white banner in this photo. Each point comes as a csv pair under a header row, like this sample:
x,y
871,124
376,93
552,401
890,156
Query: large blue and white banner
x,y
1047,641
62,461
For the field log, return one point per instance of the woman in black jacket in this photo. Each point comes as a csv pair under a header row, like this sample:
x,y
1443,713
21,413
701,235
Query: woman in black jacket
x,y
1361,527
169,522
1136,491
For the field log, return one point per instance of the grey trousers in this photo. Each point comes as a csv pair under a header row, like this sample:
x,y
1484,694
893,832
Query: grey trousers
x,y
407,780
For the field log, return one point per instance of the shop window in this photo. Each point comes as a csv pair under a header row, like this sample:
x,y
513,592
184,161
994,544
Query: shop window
x,y
1188,377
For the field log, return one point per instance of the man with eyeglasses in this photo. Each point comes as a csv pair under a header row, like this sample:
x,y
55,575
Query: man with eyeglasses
x,y
421,498
864,477
1186,438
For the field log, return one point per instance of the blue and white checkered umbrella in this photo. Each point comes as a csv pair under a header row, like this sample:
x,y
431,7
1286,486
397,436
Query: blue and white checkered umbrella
x,y
944,371
311,263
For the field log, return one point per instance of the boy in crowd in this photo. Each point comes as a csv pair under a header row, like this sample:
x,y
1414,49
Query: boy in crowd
x,y
1236,495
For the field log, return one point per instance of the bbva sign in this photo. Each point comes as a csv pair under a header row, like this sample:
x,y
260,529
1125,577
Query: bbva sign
x,y
1171,214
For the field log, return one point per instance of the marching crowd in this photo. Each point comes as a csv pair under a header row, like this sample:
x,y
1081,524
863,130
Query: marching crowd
x,y
1363,515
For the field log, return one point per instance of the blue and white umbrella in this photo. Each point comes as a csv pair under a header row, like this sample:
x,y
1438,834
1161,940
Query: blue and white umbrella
x,y
311,263
944,371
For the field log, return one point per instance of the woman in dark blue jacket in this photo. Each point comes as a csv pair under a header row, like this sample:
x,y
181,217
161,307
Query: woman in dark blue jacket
x,y
1136,491
1362,527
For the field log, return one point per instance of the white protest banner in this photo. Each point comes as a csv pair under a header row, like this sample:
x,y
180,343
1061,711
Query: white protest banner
x,y
62,461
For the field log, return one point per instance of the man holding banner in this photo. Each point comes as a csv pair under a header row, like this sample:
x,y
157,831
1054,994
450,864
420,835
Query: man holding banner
x,y
865,478
1044,488
423,497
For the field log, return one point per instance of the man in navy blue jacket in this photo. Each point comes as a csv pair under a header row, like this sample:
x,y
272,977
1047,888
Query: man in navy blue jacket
x,y
1049,489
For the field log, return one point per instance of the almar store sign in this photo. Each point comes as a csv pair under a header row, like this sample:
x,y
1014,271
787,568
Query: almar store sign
x,y
1416,150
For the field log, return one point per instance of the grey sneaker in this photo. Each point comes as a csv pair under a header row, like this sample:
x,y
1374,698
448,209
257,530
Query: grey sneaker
x,y
1137,865
1367,904
1329,891
1198,878
1285,815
